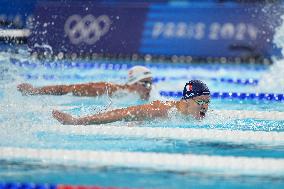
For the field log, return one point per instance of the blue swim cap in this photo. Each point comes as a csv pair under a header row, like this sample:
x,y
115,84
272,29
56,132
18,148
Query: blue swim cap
x,y
194,88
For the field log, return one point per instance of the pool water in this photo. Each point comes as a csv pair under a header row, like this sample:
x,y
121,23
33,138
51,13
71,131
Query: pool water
x,y
26,123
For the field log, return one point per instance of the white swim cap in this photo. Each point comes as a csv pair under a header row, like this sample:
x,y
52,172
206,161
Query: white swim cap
x,y
138,73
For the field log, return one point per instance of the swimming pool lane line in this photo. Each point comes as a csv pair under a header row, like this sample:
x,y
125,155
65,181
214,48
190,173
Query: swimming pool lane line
x,y
106,65
28,185
188,134
52,77
232,95
150,160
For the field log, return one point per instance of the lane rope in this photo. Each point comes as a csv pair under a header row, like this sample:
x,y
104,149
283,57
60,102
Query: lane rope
x,y
16,185
106,65
232,95
53,77
155,161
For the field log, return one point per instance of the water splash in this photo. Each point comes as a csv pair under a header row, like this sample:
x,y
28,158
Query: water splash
x,y
273,80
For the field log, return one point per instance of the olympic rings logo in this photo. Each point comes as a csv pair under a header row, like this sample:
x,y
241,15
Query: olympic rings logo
x,y
87,29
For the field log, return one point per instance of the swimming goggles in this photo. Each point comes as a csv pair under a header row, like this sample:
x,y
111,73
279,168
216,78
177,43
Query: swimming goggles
x,y
146,84
201,102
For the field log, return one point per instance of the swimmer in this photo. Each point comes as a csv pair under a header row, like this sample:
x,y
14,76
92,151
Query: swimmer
x,y
139,81
195,102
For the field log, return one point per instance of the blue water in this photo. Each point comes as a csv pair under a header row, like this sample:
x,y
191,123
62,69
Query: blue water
x,y
131,177
20,114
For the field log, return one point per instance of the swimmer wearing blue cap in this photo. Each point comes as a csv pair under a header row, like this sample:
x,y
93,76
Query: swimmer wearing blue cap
x,y
195,102
139,81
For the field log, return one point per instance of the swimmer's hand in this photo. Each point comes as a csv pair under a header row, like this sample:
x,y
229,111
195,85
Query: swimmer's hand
x,y
25,88
64,118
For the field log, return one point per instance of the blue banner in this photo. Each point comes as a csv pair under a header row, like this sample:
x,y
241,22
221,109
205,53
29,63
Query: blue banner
x,y
86,28
210,30
191,29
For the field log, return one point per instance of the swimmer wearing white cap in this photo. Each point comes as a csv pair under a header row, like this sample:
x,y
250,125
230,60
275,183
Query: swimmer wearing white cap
x,y
139,81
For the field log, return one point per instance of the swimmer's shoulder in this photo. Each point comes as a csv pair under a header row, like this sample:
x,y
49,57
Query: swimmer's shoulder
x,y
159,103
156,102
100,83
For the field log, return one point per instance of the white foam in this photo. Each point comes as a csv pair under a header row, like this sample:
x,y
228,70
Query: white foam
x,y
279,36
155,161
273,80
244,114
189,134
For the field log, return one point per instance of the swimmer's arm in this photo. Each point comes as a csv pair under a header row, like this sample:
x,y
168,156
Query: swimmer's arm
x,y
134,113
87,89
28,89
95,89
107,117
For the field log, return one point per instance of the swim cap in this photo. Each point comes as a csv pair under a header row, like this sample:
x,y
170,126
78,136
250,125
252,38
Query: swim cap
x,y
194,88
138,73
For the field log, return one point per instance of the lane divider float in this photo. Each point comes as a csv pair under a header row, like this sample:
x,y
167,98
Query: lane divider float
x,y
232,95
16,185
154,161
29,76
106,65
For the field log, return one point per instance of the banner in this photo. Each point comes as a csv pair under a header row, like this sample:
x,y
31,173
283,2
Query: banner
x,y
211,29
86,28
189,29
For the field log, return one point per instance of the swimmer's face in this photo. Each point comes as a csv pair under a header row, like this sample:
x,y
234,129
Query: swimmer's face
x,y
143,88
197,106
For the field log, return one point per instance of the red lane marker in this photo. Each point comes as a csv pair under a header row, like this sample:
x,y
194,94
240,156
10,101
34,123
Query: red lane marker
x,y
85,187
